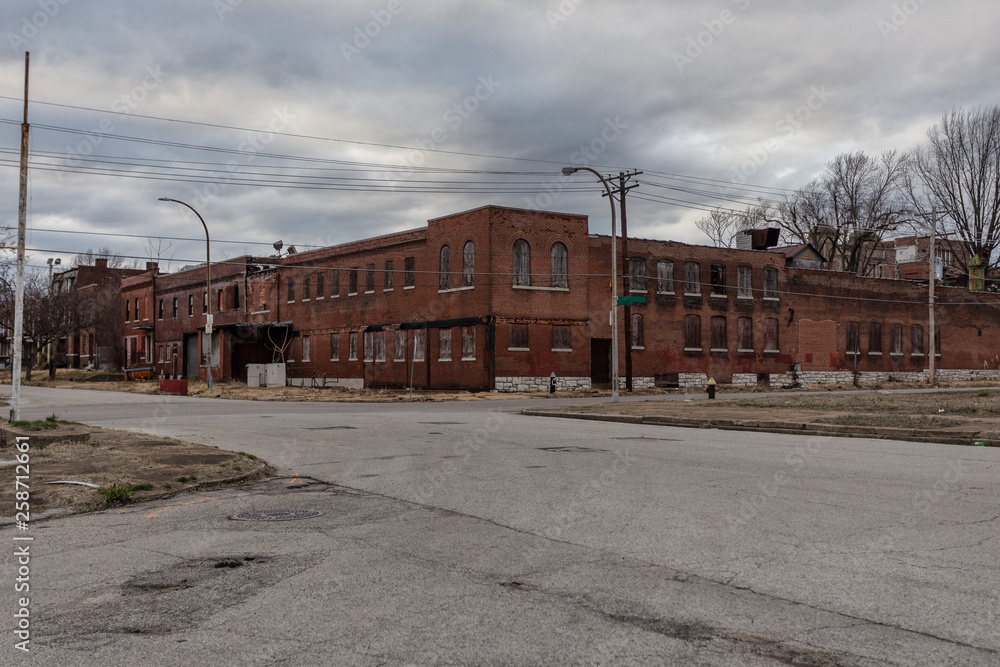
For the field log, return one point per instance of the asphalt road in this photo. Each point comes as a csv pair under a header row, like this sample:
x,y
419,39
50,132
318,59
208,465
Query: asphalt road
x,y
465,533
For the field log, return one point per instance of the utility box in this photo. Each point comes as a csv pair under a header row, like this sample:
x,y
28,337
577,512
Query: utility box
x,y
265,375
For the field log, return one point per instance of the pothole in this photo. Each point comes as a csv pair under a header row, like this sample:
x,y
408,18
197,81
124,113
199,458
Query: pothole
x,y
276,515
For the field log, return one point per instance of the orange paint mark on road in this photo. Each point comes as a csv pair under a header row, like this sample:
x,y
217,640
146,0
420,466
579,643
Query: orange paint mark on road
x,y
295,480
321,442
192,502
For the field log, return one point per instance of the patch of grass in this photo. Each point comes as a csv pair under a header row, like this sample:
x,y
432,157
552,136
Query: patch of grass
x,y
41,445
145,486
984,393
168,485
249,456
47,424
184,479
95,444
117,493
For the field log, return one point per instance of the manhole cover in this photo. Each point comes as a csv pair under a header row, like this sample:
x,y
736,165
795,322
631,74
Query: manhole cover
x,y
276,515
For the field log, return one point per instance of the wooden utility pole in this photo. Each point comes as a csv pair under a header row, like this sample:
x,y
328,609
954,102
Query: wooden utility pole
x,y
626,278
22,223
932,268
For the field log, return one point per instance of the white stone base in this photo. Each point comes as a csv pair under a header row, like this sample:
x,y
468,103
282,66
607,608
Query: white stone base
x,y
867,377
692,380
514,384
638,382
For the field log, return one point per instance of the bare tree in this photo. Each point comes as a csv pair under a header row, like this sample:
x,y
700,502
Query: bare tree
x,y
958,175
157,248
722,225
115,260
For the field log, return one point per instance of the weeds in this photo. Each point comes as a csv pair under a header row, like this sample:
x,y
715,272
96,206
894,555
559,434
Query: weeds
x,y
117,493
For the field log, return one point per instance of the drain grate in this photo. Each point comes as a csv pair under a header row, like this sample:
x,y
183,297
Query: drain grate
x,y
276,515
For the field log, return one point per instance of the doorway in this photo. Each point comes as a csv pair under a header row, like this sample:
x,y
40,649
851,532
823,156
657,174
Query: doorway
x,y
191,356
600,360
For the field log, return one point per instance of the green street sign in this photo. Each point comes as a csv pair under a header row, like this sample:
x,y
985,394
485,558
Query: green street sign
x,y
629,300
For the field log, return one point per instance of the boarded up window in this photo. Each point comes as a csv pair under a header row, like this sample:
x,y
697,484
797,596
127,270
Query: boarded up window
x,y
388,276
468,264
744,326
916,340
744,278
896,339
334,347
692,332
444,268
638,336
353,347
291,290
719,279
853,338
560,266
306,288
468,343
220,300
719,333
335,283
370,277
637,274
369,345
518,336
444,344
352,281
692,278
409,272
562,337
306,348
937,341
770,283
874,338
320,287
771,334
380,346
399,346
522,263
419,344
665,276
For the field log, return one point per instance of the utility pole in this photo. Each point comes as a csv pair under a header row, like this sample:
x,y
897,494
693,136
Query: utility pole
x,y
932,268
22,224
626,280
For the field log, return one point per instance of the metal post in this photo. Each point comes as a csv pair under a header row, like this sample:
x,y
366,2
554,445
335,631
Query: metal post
x,y
22,223
626,286
932,275
208,286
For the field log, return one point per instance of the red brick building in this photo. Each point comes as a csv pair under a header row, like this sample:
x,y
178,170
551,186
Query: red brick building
x,y
500,298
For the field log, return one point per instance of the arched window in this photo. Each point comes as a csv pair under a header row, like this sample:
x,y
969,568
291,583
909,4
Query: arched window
x,y
444,267
468,264
560,266
522,263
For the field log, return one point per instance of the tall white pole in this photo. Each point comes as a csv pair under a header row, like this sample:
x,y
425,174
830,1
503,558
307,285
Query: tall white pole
x,y
930,300
22,223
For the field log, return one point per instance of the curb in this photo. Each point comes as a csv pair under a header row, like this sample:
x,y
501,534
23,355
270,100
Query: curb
x,y
966,438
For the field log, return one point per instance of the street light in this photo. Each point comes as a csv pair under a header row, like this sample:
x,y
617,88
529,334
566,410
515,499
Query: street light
x,y
208,286
569,171
57,261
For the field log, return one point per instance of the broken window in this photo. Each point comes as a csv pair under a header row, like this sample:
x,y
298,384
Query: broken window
x,y
468,343
306,348
419,344
874,338
518,337
160,310
399,346
352,281
719,343
665,276
388,277
853,338
190,305
306,287
370,278
637,274
352,347
744,282
895,339
916,341
444,344
291,290
692,332
320,287
560,266
236,297
692,278
744,331
409,272
175,308
771,334
562,338
719,279
770,283
380,346
522,263
369,343
444,268
468,264
638,335
335,283
334,347
127,304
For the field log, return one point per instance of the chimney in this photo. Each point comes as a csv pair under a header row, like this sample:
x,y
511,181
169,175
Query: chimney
x,y
152,267
101,263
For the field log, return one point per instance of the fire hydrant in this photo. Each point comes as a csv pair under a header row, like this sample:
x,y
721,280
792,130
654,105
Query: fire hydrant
x,y
552,383
711,387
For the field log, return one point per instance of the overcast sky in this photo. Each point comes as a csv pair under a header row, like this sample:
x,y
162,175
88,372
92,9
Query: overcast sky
x,y
716,102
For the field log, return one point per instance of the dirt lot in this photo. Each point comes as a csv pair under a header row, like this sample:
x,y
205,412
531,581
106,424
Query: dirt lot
x,y
120,461
963,411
